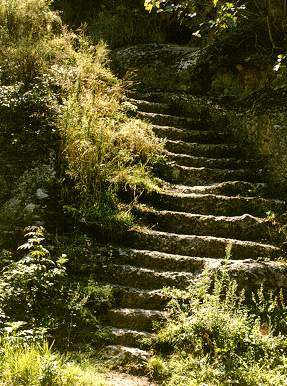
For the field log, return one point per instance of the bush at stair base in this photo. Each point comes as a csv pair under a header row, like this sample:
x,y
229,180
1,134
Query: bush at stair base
x,y
219,340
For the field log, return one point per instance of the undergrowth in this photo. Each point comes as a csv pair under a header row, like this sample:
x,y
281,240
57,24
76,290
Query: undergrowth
x,y
214,338
66,101
120,23
37,364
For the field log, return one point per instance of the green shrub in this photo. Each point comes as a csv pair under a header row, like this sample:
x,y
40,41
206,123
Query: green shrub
x,y
213,338
34,286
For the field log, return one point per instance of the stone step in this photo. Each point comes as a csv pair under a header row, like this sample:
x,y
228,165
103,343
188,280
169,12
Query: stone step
x,y
247,272
216,163
122,355
150,96
217,205
134,318
173,120
130,297
200,176
228,188
244,227
203,150
151,107
206,246
165,262
200,136
144,278
130,338
199,110
252,275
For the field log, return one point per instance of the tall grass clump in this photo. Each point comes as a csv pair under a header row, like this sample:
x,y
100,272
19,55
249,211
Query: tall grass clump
x,y
105,151
65,97
212,338
37,364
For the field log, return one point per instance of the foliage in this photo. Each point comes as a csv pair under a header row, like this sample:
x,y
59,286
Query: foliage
x,y
201,15
262,21
36,364
58,95
34,286
213,338
119,23
126,26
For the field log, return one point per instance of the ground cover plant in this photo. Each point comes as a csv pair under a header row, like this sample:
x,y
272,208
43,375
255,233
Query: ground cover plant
x,y
37,364
214,338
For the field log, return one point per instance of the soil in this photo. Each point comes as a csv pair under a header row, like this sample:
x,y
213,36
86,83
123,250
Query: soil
x,y
122,379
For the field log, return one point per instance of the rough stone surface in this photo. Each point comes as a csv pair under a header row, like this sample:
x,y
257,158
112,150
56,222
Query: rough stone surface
x,y
169,67
214,213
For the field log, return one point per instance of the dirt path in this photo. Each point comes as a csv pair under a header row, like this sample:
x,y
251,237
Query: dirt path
x,y
122,379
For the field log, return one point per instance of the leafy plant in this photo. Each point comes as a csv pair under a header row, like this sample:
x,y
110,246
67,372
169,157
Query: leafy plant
x,y
213,337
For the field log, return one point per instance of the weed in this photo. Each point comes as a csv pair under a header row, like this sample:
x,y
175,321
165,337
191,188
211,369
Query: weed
x,y
36,364
216,339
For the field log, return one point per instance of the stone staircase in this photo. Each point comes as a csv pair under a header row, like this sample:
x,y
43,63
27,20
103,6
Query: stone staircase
x,y
215,199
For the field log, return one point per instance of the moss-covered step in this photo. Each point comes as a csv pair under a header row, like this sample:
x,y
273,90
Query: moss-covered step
x,y
244,227
134,318
173,120
218,205
227,188
217,163
206,246
200,136
188,175
203,150
131,297
130,338
146,278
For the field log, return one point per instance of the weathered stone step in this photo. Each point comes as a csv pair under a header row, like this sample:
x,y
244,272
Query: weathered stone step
x,y
252,275
150,96
191,176
203,150
173,120
150,107
199,136
207,246
228,188
217,204
130,338
245,227
216,163
201,110
145,278
122,355
134,318
130,297
165,262
248,273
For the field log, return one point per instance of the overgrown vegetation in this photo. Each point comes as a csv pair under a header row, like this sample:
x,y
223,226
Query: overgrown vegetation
x,y
58,94
32,313
68,138
36,364
119,23
214,338
70,149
